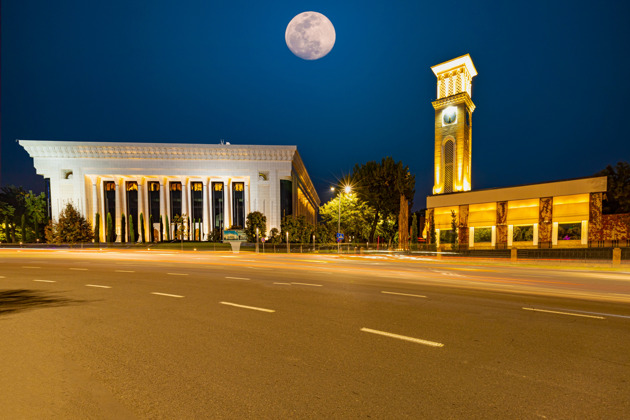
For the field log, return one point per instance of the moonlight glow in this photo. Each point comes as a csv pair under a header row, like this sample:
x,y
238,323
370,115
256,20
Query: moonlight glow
x,y
310,35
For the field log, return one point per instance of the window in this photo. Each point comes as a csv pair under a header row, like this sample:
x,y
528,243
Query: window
x,y
131,189
286,197
110,198
483,234
448,167
217,206
569,231
176,199
154,202
238,205
196,190
523,233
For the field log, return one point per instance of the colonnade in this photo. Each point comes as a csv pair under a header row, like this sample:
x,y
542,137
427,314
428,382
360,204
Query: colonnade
x,y
98,201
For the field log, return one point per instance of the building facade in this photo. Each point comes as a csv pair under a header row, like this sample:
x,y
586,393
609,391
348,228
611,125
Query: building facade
x,y
562,213
214,186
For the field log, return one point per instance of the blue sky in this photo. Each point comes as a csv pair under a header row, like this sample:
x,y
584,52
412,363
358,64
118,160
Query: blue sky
x,y
550,93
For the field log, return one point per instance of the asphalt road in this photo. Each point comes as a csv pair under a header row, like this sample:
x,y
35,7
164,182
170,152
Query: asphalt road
x,y
110,334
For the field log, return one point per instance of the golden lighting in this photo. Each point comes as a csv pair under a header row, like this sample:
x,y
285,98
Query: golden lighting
x,y
218,186
238,186
110,186
196,186
571,199
132,186
154,186
176,186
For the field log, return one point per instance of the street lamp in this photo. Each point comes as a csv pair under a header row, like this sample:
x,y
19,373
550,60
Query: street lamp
x,y
347,190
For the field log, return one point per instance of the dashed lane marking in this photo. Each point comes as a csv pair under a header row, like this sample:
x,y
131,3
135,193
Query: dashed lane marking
x,y
124,271
307,284
247,307
98,285
78,269
177,274
45,281
29,266
403,294
403,337
285,284
166,294
237,278
564,313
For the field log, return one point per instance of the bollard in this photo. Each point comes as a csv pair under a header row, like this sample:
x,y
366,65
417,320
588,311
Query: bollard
x,y
513,256
616,256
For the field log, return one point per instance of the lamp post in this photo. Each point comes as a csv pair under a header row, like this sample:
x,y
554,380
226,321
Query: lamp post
x,y
256,240
347,190
288,246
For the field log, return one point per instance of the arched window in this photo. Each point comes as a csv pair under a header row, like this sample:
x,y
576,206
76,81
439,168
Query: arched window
x,y
448,166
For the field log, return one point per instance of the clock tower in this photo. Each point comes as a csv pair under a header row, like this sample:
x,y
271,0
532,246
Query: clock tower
x,y
453,120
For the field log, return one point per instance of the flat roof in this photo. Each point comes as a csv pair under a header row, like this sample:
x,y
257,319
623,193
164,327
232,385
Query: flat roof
x,y
463,60
521,192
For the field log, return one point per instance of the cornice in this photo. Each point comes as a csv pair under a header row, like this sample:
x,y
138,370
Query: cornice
x,y
48,149
453,100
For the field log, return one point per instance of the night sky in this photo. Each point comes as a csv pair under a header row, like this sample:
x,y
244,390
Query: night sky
x,y
551,93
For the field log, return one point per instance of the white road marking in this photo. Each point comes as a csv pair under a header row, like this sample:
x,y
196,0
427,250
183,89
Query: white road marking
x,y
237,278
247,307
286,284
2,277
403,337
124,271
78,269
307,284
46,281
29,266
403,294
166,294
564,313
177,274
98,285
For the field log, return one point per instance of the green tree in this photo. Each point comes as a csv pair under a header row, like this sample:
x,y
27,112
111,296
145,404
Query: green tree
x,y
356,215
274,236
109,233
168,229
255,220
380,186
123,229
36,211
414,229
618,191
97,228
12,208
132,230
299,229
71,228
143,238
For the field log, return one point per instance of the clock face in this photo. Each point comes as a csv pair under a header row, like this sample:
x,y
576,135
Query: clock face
x,y
449,115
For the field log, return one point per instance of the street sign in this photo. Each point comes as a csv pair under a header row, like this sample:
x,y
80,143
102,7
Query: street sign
x,y
339,237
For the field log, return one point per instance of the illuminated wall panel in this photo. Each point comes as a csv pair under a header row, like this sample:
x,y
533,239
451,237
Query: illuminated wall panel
x,y
482,215
571,208
522,212
443,217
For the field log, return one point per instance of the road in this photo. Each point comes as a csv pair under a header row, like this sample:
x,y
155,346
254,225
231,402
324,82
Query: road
x,y
152,334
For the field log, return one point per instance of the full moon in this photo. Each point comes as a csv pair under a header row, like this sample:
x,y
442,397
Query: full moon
x,y
310,35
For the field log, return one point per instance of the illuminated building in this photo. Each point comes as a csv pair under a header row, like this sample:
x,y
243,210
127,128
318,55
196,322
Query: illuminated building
x,y
214,185
562,213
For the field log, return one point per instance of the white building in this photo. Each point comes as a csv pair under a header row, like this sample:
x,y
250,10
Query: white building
x,y
215,185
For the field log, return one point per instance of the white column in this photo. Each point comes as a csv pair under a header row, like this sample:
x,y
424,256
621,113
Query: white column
x,y
140,211
123,203
554,234
94,201
494,236
584,238
227,222
103,214
167,216
471,237
510,235
118,206
185,195
535,233
162,209
205,212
